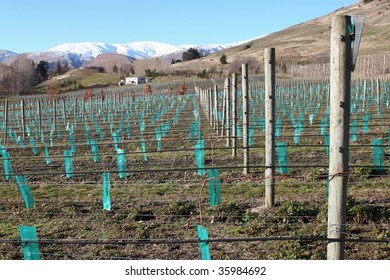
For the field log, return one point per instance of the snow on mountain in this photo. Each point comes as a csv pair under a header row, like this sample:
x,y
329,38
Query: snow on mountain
x,y
146,49
85,50
137,50
4,55
76,54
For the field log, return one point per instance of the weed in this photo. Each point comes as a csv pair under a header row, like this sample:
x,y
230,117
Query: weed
x,y
142,215
182,209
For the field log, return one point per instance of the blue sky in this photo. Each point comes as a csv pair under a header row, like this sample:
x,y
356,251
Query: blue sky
x,y
42,24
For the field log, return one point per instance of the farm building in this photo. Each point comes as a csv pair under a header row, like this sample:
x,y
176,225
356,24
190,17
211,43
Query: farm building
x,y
135,80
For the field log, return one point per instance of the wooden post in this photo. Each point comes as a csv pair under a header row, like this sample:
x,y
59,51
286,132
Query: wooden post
x,y
216,122
245,117
39,117
223,112
269,79
64,110
364,95
75,111
5,121
234,114
340,90
228,111
55,113
210,106
23,118
378,96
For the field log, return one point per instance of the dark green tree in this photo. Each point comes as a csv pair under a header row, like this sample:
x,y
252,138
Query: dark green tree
x,y
191,54
42,70
223,59
58,68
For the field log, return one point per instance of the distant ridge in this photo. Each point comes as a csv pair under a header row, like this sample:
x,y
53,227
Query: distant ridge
x,y
77,54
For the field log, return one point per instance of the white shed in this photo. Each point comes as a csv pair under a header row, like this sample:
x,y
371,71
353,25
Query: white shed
x,y
135,80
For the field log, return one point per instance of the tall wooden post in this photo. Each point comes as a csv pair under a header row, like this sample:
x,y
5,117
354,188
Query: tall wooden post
x,y
210,106
55,113
64,111
234,114
223,113
5,121
245,117
39,116
23,118
228,111
340,90
269,76
216,122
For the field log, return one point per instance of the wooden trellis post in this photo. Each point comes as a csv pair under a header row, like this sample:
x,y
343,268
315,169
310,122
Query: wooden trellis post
x,y
245,117
234,114
340,91
269,75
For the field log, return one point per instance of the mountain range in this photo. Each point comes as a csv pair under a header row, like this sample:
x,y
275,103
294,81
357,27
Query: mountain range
x,y
76,54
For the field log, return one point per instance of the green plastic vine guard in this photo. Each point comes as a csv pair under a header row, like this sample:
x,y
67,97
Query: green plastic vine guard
x,y
239,131
47,155
68,163
281,149
366,124
279,127
262,124
72,141
115,138
7,163
214,186
324,126
297,134
29,238
388,140
25,191
121,160
142,127
143,147
128,130
327,143
194,131
251,140
20,141
158,139
88,134
379,155
354,131
34,146
203,243
95,150
200,156
106,191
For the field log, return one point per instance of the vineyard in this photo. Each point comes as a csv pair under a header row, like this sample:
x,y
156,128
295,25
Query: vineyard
x,y
127,175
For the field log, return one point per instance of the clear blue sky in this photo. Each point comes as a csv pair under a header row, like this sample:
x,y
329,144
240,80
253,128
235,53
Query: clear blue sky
x,y
37,25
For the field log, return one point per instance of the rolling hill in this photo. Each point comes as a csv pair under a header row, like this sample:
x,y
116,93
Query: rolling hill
x,y
308,42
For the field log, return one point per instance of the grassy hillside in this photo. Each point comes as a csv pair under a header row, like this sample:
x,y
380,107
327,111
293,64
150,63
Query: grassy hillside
x,y
309,41
80,78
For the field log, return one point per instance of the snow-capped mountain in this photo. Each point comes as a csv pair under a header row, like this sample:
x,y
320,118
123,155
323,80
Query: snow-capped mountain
x,y
76,54
137,50
4,55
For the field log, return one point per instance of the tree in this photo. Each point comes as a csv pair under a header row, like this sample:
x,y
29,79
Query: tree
x,y
115,69
182,90
190,54
25,74
58,68
223,59
42,70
